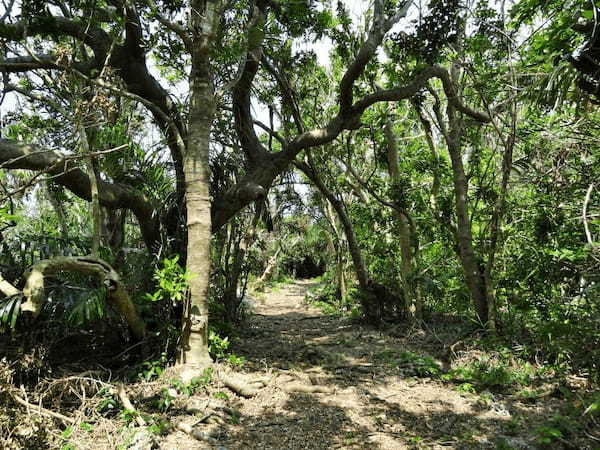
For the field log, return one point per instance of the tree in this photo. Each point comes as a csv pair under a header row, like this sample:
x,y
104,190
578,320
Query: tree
x,y
121,35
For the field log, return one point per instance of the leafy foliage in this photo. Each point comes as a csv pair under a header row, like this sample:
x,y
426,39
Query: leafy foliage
x,y
89,307
171,281
9,311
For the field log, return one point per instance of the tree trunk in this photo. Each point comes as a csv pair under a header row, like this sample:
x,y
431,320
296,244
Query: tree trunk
x,y
193,351
341,277
355,252
231,300
338,246
474,275
473,271
269,269
497,216
370,301
444,221
411,299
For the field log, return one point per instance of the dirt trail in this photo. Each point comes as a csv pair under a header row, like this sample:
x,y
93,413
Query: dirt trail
x,y
328,383
364,399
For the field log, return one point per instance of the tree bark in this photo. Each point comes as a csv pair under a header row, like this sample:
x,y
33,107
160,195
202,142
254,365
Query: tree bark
x,y
409,289
117,294
338,246
193,352
473,271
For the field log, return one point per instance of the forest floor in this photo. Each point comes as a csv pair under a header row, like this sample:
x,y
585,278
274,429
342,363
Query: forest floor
x,y
336,384
324,382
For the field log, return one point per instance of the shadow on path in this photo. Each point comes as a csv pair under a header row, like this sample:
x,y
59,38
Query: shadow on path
x,y
367,395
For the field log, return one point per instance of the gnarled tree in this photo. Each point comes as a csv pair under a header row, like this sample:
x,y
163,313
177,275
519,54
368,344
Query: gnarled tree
x,y
121,35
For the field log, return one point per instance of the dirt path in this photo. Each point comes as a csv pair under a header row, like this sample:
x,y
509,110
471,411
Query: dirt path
x,y
328,383
364,399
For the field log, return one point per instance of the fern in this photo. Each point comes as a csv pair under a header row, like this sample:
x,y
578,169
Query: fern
x,y
89,307
9,311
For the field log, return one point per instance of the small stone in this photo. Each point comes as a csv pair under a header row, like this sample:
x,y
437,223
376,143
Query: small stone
x,y
173,392
514,442
143,440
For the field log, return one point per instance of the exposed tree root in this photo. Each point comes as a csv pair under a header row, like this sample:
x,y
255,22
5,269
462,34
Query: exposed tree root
x,y
299,387
238,386
196,434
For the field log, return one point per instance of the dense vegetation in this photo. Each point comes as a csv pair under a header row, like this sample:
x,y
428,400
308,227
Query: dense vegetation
x,y
429,162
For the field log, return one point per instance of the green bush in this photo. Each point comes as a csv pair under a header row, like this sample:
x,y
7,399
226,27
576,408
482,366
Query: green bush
x,y
493,372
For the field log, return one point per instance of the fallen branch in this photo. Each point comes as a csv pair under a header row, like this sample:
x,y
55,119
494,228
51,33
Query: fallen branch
x,y
40,409
116,293
128,405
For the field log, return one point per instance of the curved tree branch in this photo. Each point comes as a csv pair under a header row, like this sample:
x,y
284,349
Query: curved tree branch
x,y
117,295
19,64
420,81
380,27
227,206
287,93
16,155
94,37
252,147
128,59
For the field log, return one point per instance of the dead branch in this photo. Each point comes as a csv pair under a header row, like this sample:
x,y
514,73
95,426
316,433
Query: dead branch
x,y
196,434
586,226
40,409
128,405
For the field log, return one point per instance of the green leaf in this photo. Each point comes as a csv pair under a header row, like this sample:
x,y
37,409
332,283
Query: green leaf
x,y
66,434
9,311
593,408
587,14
